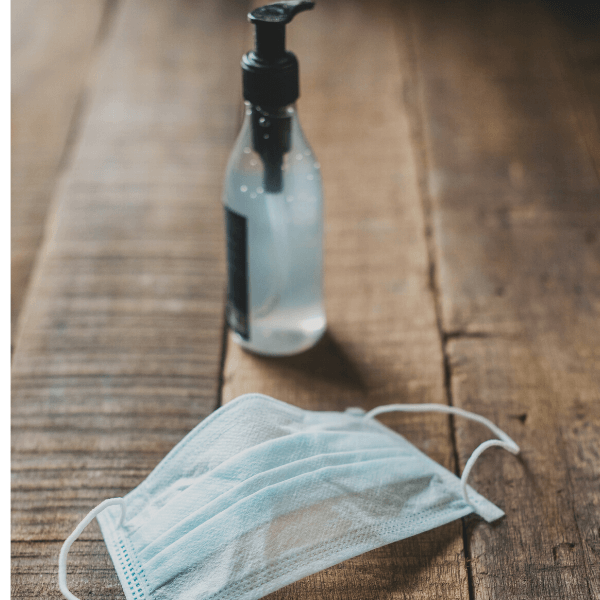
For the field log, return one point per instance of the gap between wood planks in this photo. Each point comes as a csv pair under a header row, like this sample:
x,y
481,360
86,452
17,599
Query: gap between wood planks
x,y
413,99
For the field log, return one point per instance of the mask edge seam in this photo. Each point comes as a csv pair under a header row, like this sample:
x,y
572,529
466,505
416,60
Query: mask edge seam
x,y
110,531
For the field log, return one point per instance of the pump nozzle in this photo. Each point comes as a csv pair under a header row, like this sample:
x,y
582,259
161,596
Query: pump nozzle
x,y
280,12
269,22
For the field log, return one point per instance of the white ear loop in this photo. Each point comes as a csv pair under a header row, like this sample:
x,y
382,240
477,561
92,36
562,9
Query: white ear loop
x,y
62,559
504,442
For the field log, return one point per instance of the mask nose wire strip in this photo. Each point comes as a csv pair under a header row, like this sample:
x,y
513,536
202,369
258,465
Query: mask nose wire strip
x,y
62,559
504,442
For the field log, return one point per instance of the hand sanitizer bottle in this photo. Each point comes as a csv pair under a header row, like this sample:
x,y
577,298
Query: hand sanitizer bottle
x,y
273,203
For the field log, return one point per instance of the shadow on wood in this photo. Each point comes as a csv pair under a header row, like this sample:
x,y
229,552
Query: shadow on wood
x,y
327,362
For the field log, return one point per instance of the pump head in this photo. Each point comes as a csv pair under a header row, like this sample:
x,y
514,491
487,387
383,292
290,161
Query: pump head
x,y
270,72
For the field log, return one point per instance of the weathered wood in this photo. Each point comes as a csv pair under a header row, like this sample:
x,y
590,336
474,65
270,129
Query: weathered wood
x,y
53,46
382,344
516,211
119,349
459,148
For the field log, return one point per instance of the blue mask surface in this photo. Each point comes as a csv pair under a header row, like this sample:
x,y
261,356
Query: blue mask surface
x,y
261,494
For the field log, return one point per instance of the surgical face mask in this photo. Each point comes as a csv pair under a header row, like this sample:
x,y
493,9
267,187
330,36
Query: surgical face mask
x,y
261,494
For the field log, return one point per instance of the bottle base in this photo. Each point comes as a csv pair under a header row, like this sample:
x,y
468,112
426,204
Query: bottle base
x,y
282,342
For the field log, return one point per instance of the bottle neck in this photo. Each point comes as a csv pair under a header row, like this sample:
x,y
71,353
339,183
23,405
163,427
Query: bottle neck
x,y
271,136
287,111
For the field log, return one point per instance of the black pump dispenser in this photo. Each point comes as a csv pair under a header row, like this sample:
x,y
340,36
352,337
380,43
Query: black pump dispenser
x,y
270,78
270,72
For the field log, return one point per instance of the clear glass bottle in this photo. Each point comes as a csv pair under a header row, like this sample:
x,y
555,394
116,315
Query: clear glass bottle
x,y
274,218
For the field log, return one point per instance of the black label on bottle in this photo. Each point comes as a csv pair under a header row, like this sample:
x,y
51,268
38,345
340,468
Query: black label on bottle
x,y
237,269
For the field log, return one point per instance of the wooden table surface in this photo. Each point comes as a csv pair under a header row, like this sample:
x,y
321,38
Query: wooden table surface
x,y
460,149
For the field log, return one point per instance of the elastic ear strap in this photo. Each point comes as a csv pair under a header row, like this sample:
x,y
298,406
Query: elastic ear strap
x,y
62,559
504,442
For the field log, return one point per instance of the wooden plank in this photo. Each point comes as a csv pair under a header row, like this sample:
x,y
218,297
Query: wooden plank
x,y
515,212
119,349
382,344
53,46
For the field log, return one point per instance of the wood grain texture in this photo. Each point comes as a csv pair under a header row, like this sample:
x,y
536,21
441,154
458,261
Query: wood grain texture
x,y
382,344
119,349
53,47
459,148
515,197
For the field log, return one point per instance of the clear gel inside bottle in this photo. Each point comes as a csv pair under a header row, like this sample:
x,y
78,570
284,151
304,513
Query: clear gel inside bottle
x,y
274,212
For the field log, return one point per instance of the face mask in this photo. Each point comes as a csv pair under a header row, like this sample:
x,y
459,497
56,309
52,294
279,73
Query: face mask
x,y
261,494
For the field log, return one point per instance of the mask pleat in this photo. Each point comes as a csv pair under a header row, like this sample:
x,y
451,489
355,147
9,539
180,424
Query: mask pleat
x,y
263,465
206,446
239,459
298,514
